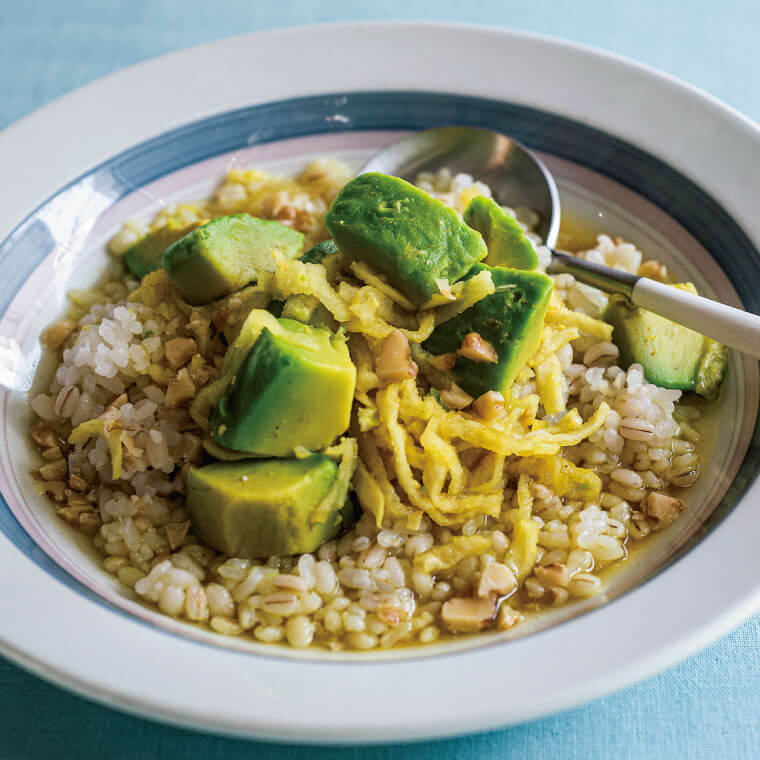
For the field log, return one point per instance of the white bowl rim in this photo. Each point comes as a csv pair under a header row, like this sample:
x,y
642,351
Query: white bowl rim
x,y
268,699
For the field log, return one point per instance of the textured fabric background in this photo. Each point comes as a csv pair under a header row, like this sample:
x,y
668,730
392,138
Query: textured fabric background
x,y
706,707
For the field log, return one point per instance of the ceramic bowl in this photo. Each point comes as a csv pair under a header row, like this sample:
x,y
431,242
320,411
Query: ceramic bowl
x,y
634,152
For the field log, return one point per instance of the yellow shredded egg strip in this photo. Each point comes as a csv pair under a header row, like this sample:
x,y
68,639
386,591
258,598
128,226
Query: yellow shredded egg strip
x,y
563,477
375,468
522,554
158,291
551,384
451,554
366,275
552,339
361,356
447,509
101,426
437,448
473,290
347,452
495,480
368,307
596,328
369,493
294,277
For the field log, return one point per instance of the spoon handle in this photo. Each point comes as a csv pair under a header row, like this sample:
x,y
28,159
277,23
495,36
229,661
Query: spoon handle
x,y
732,327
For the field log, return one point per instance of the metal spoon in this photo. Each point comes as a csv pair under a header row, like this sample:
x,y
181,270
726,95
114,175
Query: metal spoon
x,y
518,178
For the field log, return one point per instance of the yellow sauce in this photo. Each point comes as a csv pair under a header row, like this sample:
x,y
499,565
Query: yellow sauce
x,y
578,233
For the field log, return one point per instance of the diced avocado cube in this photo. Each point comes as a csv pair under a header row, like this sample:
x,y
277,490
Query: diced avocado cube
x,y
320,251
259,508
294,390
511,320
226,254
404,233
506,241
309,310
145,255
672,355
712,369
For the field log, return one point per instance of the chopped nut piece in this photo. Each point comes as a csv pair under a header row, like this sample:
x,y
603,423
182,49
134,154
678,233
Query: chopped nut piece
x,y
44,435
496,579
444,362
130,448
394,363
181,390
70,514
477,349
55,336
490,405
272,205
390,615
455,397
468,614
79,500
89,523
189,448
179,351
663,508
655,270
51,454
219,318
56,489
201,375
552,575
278,206
74,509
556,595
303,220
286,215
176,532
54,470
507,617
78,483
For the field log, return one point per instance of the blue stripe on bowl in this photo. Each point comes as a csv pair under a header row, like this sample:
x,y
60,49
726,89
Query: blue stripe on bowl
x,y
650,177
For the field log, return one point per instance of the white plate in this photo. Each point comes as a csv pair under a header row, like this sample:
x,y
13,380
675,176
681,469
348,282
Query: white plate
x,y
623,139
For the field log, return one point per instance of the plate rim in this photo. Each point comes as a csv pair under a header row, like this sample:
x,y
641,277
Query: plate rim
x,y
27,128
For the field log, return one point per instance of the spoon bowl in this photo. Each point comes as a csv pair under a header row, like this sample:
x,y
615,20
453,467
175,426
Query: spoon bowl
x,y
516,176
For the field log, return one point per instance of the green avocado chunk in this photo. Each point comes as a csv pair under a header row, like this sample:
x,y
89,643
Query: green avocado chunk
x,y
404,233
320,251
259,508
209,396
226,254
511,320
506,241
672,355
293,390
145,255
309,310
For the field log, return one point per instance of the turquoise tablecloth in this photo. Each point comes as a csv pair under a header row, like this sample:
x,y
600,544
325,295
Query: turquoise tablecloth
x,y
706,707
